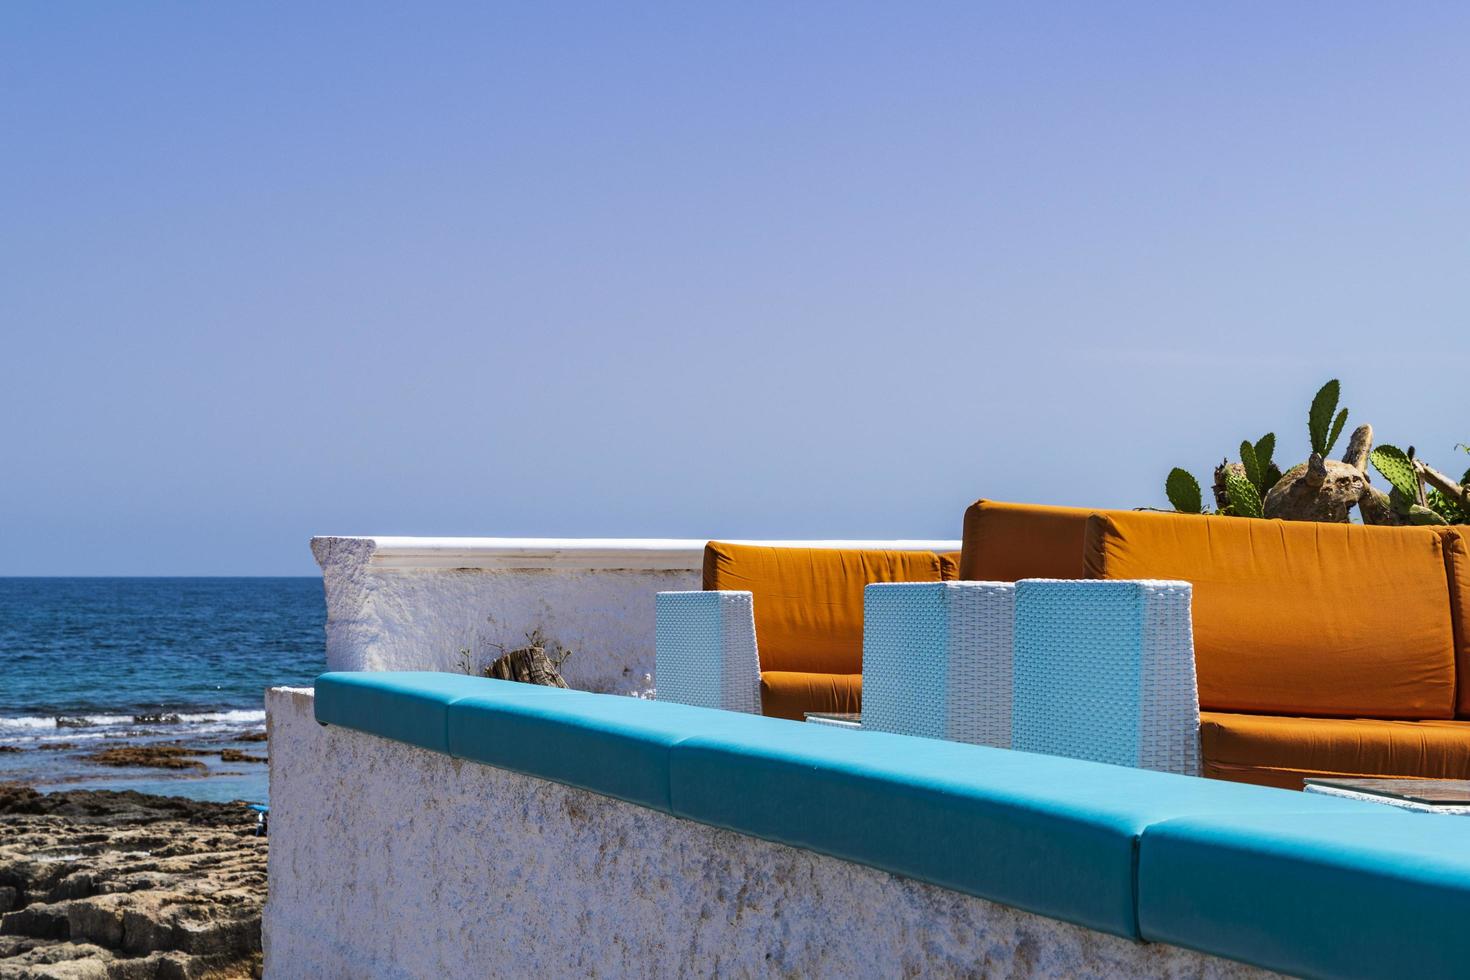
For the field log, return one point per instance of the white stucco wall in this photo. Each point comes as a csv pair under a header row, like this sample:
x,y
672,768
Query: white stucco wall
x,y
392,861
416,603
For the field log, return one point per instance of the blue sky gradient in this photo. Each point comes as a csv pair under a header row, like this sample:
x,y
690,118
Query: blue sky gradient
x,y
757,270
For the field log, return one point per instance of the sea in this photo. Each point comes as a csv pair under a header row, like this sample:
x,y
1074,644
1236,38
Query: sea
x,y
89,665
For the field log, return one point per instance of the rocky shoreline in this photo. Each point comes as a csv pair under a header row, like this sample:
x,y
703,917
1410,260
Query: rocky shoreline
x,y
118,885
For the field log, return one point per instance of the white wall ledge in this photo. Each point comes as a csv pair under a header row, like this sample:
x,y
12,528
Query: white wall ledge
x,y
400,603
391,861
566,553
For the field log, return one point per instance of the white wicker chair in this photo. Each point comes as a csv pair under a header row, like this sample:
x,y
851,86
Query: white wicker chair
x,y
1100,670
1104,670
704,650
937,660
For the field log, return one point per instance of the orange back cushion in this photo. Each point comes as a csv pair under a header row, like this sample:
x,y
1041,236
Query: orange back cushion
x,y
809,601
1299,618
1009,542
1457,560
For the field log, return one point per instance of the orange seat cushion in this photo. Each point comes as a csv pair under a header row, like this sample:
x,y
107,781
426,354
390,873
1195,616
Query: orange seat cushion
x,y
1299,618
808,602
1457,560
1275,751
1008,542
791,693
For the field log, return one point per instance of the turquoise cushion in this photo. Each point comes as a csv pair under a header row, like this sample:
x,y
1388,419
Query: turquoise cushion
x,y
1050,835
406,706
617,746
1360,895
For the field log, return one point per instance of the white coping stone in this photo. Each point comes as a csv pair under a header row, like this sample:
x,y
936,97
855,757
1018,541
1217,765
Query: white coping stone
x,y
667,554
388,860
397,603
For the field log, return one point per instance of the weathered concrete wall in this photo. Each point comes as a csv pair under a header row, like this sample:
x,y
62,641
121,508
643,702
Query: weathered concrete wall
x,y
416,603
392,861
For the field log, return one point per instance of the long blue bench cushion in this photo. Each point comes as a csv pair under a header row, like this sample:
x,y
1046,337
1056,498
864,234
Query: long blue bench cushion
x,y
1046,834
1352,895
406,706
616,746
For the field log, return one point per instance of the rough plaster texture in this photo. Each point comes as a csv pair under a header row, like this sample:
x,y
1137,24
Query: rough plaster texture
x,y
416,603
421,618
392,861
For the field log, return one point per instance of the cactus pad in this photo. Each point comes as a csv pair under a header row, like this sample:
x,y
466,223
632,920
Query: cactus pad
x,y
1251,463
1319,419
1183,492
1245,501
1265,448
1337,425
1396,469
1423,515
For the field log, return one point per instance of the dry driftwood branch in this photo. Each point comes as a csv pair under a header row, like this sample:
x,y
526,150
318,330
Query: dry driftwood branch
x,y
1317,490
531,664
1450,488
1360,444
1323,489
1376,509
1420,497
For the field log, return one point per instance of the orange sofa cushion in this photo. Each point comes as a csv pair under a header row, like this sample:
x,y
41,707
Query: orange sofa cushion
x,y
792,693
1457,560
809,601
1276,751
1008,542
1299,618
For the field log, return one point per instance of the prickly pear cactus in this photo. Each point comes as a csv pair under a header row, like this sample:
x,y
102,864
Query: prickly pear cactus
x,y
1319,417
1265,448
1337,425
1253,471
1396,468
1183,492
1325,489
1423,515
1245,500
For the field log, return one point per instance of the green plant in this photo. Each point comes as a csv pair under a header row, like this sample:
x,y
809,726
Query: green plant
x,y
1322,428
1260,468
1399,470
1324,488
1183,492
1448,507
1456,509
1245,499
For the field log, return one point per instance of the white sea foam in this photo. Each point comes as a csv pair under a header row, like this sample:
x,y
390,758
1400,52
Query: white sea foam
x,y
30,725
237,717
26,725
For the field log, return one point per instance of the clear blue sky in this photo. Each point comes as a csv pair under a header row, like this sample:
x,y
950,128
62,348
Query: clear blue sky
x,y
787,270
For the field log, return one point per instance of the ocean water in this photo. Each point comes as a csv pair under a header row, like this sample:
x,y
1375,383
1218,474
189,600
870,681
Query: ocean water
x,y
99,663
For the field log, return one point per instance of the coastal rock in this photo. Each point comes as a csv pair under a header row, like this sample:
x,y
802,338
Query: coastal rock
x,y
121,885
155,756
